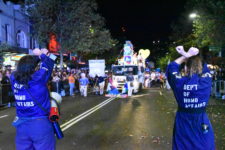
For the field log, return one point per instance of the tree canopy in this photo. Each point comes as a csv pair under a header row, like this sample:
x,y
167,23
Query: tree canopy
x,y
205,31
76,23
208,28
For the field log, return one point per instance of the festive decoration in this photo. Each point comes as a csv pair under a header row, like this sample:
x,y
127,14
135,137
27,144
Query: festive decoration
x,y
128,53
144,53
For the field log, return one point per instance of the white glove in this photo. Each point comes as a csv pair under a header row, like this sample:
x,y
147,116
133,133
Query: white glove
x,y
45,51
37,51
193,51
180,50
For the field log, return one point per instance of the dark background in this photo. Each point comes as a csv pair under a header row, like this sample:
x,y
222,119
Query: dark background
x,y
141,21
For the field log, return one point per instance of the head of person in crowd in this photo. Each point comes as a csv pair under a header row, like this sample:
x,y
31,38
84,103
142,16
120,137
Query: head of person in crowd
x,y
193,66
109,74
7,73
25,68
83,75
59,73
64,74
71,74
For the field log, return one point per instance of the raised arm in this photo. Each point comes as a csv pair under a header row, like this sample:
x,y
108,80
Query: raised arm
x,y
185,55
47,64
180,60
173,69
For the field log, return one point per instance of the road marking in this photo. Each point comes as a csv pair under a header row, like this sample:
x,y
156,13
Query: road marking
x,y
139,95
160,93
73,121
68,122
4,116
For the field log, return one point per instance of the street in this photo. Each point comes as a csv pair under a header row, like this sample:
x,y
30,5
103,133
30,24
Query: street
x,y
142,122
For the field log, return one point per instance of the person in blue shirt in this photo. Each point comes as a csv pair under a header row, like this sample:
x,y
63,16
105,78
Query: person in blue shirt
x,y
29,82
192,128
83,85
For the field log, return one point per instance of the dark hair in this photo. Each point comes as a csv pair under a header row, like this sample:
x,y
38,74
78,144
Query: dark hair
x,y
5,72
25,68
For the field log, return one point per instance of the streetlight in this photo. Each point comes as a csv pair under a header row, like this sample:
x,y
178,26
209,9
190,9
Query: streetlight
x,y
193,15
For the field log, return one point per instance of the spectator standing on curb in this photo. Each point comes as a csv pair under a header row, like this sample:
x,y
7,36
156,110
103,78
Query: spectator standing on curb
x,y
96,85
6,77
71,80
83,85
7,92
56,83
65,84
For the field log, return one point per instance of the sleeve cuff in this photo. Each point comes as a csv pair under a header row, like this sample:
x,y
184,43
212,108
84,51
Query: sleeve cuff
x,y
175,64
42,57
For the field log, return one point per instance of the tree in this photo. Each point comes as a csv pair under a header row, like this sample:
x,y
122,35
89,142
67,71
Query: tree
x,y
77,25
209,26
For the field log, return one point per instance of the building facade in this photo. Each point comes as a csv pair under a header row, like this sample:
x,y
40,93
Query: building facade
x,y
15,32
14,25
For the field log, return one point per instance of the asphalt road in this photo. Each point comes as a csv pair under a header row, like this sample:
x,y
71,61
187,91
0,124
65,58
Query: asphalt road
x,y
142,122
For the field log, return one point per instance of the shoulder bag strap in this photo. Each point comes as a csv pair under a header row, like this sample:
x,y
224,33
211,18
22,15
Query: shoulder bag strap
x,y
39,105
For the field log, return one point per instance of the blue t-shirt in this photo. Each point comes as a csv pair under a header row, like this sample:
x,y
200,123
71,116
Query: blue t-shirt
x,y
25,105
84,81
191,93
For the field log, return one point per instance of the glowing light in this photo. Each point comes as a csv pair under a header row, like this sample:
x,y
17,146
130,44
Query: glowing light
x,y
53,45
193,15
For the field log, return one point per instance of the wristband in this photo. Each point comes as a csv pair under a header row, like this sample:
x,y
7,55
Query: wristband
x,y
53,57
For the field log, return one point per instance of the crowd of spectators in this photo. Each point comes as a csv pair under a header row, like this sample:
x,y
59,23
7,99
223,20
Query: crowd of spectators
x,y
155,78
67,82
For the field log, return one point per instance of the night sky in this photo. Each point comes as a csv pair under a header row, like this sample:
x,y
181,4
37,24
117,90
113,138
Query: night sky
x,y
143,21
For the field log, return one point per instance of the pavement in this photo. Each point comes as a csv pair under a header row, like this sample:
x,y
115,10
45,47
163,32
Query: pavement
x,y
141,122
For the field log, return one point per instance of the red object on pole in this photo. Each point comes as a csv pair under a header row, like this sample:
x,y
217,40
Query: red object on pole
x,y
53,45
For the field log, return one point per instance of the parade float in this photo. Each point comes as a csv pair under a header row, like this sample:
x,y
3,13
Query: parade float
x,y
130,63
